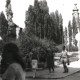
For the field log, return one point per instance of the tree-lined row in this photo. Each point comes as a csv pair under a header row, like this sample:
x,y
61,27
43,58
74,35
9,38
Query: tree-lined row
x,y
70,34
73,30
42,24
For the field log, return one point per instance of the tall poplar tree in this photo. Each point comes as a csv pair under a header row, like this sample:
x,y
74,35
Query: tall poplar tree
x,y
3,26
70,32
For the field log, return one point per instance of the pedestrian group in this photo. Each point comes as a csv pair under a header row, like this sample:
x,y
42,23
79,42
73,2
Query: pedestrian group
x,y
13,65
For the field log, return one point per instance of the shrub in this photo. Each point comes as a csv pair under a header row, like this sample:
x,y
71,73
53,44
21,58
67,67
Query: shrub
x,y
72,48
59,48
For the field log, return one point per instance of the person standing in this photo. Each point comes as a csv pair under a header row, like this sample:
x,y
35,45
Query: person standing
x,y
12,64
50,60
34,62
28,60
63,59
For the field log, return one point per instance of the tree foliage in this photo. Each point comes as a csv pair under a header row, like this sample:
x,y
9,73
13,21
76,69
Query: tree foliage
x,y
70,32
74,25
3,26
42,24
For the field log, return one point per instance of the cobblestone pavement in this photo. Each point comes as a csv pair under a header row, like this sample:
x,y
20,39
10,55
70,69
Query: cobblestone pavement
x,y
75,76
58,72
74,73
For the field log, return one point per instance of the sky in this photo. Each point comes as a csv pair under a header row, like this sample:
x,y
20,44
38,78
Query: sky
x,y
19,7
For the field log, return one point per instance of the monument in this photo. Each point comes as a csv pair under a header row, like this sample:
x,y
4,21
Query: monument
x,y
13,29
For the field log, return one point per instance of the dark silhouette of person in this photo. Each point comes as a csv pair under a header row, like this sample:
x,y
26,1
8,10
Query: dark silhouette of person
x,y
12,64
28,60
50,60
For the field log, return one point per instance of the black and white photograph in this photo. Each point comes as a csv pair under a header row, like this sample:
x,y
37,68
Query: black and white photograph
x,y
39,39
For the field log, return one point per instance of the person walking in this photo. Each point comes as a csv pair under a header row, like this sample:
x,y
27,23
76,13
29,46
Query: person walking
x,y
50,60
12,64
64,59
34,62
28,60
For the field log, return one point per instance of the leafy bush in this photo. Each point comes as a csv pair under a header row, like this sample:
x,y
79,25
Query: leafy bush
x,y
68,48
27,43
72,48
59,47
